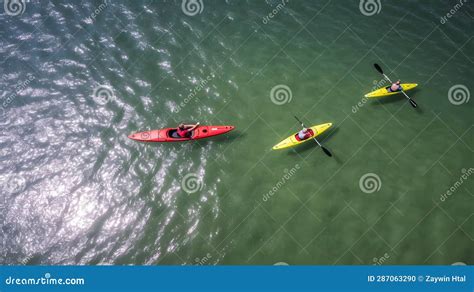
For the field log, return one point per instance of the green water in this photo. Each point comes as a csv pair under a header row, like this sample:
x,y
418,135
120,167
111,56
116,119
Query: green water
x,y
76,190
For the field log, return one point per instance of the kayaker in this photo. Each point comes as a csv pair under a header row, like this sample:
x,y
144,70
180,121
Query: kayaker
x,y
184,131
395,86
304,134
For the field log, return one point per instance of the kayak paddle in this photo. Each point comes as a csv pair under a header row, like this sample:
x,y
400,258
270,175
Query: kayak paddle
x,y
328,153
378,68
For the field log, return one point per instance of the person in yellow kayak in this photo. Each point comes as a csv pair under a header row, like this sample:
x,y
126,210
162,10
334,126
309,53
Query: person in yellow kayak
x,y
304,134
184,131
395,87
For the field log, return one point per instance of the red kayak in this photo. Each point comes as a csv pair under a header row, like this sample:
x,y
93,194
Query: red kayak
x,y
170,135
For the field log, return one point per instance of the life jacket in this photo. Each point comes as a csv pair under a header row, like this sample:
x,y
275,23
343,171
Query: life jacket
x,y
309,133
399,88
182,132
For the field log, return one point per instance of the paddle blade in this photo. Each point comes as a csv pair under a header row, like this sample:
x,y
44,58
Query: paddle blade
x,y
378,68
413,103
326,151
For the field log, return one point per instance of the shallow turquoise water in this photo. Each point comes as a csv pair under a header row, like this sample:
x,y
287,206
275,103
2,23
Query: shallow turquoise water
x,y
76,190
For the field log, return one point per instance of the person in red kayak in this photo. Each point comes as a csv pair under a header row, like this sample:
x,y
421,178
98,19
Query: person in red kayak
x,y
184,131
395,87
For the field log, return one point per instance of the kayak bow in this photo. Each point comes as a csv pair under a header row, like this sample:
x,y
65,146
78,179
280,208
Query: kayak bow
x,y
169,134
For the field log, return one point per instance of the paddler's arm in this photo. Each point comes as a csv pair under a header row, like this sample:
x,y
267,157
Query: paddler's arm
x,y
192,127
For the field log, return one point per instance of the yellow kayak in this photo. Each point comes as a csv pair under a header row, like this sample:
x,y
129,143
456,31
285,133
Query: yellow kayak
x,y
294,140
384,91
